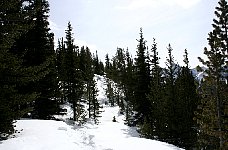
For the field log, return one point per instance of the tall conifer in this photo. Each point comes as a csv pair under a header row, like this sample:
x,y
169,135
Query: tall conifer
x,y
156,125
14,76
170,98
212,113
74,81
186,104
142,104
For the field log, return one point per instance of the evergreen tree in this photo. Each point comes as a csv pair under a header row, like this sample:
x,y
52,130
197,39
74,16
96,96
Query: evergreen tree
x,y
129,89
116,74
14,76
120,78
120,62
110,92
142,104
95,107
61,69
36,47
74,81
107,65
221,23
156,126
170,99
114,71
98,65
212,113
42,50
86,65
186,104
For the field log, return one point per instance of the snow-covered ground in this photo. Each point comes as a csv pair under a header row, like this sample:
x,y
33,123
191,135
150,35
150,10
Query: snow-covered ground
x,y
57,135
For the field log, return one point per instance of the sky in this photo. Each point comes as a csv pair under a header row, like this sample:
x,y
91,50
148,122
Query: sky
x,y
104,25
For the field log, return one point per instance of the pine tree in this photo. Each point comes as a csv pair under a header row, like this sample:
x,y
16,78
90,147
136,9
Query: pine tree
x,y
42,50
186,104
61,70
110,92
14,76
129,89
114,71
142,104
74,81
86,65
120,62
120,78
98,65
155,127
36,47
212,113
95,107
221,23
170,98
107,65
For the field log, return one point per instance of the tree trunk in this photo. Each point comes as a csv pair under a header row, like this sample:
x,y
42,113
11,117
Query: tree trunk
x,y
218,103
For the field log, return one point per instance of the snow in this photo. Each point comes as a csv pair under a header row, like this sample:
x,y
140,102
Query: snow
x,y
101,85
57,135
199,75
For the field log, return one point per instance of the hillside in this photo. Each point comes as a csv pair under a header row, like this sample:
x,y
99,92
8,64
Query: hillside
x,y
57,135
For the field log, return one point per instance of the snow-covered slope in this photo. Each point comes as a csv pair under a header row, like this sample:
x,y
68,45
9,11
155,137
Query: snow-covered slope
x,y
199,75
57,135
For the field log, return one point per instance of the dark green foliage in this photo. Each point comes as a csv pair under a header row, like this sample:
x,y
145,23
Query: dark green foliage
x,y
76,68
13,103
36,48
142,104
86,65
163,100
155,127
120,65
171,98
212,112
14,76
98,65
186,104
107,65
34,77
129,89
7,85
220,24
40,45
61,70
172,102
74,78
113,70
117,72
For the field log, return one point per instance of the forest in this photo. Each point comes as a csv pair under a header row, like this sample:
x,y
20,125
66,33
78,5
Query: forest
x,y
167,104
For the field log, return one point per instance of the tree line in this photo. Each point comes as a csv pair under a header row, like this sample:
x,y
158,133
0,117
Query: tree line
x,y
35,78
167,104
160,101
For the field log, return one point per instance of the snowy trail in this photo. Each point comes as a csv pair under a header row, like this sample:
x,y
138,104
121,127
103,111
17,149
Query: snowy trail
x,y
108,134
57,135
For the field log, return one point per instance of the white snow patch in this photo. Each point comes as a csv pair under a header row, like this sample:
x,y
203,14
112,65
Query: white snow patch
x,y
57,135
102,86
